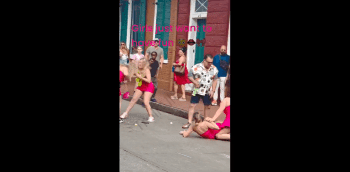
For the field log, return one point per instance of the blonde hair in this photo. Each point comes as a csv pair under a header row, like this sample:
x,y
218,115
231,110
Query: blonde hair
x,y
134,68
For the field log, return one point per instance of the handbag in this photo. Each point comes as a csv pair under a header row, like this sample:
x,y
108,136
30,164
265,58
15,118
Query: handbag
x,y
180,70
223,64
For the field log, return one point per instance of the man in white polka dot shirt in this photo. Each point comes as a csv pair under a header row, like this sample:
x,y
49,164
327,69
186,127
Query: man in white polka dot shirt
x,y
203,76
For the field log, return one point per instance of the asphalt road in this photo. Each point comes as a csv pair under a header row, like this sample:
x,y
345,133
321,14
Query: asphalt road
x,y
158,146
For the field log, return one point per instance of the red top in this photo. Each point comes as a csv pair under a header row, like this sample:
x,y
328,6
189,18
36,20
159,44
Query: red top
x,y
182,79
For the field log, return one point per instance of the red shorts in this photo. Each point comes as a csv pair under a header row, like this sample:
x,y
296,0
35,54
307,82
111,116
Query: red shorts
x,y
146,87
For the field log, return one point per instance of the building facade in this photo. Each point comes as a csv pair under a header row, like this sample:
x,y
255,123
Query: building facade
x,y
214,15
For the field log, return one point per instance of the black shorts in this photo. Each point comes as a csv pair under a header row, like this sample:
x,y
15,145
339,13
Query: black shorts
x,y
206,99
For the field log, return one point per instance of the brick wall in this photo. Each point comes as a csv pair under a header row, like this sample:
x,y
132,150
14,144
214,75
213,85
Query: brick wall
x,y
149,21
183,19
172,49
218,18
165,77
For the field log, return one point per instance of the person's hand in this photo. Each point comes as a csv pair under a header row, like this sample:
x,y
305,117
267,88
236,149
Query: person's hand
x,y
174,64
211,93
160,67
196,84
138,75
209,119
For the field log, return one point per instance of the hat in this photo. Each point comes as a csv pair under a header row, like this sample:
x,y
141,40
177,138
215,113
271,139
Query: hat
x,y
156,39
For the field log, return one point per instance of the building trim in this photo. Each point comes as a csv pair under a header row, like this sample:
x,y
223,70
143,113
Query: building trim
x,y
228,36
129,25
155,19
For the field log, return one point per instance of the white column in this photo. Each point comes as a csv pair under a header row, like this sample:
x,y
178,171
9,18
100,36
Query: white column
x,y
228,39
129,25
155,20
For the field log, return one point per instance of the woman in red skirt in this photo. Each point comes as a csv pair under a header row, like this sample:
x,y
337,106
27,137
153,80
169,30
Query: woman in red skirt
x,y
181,79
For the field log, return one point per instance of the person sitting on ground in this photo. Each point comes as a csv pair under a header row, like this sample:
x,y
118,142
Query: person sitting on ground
x,y
203,128
207,128
224,133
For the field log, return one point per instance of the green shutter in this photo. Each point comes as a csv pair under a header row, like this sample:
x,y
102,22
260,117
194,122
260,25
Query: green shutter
x,y
163,20
200,35
124,20
142,21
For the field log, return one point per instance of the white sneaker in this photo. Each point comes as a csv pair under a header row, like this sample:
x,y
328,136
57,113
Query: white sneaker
x,y
120,120
123,115
150,119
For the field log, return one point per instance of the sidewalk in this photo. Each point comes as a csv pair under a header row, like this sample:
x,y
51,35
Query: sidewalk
x,y
175,107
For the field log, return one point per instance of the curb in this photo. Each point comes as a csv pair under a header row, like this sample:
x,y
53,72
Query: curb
x,y
164,108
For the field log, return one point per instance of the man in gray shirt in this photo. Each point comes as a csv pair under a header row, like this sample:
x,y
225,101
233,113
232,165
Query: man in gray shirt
x,y
156,48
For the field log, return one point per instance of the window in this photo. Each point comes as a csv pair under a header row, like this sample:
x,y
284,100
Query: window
x,y
201,6
162,19
133,12
136,18
124,7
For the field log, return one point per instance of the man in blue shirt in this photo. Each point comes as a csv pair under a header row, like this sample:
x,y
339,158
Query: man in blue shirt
x,y
222,74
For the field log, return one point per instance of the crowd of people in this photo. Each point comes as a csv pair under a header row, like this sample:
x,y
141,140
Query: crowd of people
x,y
207,77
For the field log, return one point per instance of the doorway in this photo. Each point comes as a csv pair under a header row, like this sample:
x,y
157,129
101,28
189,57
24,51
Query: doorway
x,y
200,39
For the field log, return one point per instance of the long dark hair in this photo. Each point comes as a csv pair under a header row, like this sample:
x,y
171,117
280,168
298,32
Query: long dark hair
x,y
126,48
183,49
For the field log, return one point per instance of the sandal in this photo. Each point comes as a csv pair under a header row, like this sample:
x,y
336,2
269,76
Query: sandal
x,y
173,97
186,125
182,99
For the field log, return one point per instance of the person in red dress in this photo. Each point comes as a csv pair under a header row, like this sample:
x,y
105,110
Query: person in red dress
x,y
181,79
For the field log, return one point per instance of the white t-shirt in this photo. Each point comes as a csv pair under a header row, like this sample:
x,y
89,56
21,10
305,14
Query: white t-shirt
x,y
137,56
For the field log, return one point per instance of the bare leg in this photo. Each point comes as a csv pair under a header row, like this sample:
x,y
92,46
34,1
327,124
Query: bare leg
x,y
190,112
147,97
136,96
183,91
206,111
175,89
135,86
224,134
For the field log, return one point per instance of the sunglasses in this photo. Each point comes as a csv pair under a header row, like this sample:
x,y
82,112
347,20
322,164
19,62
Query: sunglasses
x,y
122,44
208,62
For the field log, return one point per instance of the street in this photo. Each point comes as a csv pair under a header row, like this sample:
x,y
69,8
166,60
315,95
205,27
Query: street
x,y
158,146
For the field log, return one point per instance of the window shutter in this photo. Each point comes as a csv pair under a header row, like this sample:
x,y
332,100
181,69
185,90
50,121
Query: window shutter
x,y
163,20
124,20
142,18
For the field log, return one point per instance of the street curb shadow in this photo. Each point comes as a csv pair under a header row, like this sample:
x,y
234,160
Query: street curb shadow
x,y
164,108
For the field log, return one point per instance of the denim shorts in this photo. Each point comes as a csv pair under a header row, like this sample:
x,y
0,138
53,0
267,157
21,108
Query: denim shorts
x,y
123,62
206,99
